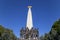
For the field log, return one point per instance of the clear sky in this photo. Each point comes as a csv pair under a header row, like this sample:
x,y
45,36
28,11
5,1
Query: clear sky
x,y
13,14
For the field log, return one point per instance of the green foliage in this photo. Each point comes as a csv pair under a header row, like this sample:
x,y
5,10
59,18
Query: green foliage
x,y
56,26
54,34
6,34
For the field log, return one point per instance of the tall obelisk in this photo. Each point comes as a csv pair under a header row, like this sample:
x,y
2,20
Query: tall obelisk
x,y
29,32
29,24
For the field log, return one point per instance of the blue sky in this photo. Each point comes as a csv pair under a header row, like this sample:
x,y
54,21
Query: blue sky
x,y
13,14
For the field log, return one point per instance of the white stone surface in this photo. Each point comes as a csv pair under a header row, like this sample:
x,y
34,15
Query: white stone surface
x,y
29,24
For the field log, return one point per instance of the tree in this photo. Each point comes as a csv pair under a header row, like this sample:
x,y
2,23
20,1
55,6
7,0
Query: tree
x,y
54,33
6,34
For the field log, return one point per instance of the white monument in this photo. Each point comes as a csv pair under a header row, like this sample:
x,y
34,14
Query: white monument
x,y
29,24
29,32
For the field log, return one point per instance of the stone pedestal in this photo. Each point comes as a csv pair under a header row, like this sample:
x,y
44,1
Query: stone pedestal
x,y
29,34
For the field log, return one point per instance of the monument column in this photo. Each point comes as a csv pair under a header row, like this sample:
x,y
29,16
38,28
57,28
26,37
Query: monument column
x,y
29,32
29,24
